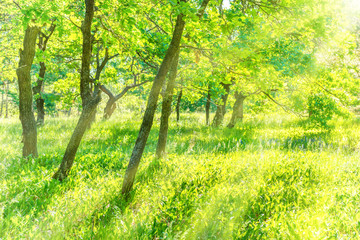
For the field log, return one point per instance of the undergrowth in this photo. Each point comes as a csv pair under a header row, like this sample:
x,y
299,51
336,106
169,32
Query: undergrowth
x,y
267,178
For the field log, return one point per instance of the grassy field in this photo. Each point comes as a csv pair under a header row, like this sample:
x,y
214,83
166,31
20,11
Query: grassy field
x,y
268,178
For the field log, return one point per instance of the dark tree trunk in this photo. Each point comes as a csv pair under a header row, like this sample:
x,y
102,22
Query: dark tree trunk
x,y
166,107
38,96
90,99
25,93
221,109
207,106
178,106
152,103
73,145
151,107
238,110
38,89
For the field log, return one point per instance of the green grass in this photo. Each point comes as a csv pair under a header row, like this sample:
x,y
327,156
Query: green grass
x,y
268,178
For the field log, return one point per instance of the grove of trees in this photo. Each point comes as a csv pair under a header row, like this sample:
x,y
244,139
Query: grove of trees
x,y
226,57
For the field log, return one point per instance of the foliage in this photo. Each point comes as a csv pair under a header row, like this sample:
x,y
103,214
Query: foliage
x,y
322,109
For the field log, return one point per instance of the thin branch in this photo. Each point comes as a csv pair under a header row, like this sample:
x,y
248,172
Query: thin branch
x,y
197,48
285,108
17,4
127,88
157,26
106,91
73,23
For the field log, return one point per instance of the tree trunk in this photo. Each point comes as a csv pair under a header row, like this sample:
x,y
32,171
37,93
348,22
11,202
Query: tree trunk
x,y
166,107
178,106
38,89
38,96
25,92
151,107
207,106
90,99
109,108
238,110
221,109
73,145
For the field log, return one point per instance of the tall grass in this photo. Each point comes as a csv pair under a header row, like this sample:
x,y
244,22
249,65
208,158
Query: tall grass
x,y
268,178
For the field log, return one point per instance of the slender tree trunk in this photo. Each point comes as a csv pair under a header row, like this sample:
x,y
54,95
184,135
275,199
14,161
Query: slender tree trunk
x,y
73,145
25,92
38,89
38,96
90,99
178,106
151,107
207,106
221,109
7,99
166,107
238,110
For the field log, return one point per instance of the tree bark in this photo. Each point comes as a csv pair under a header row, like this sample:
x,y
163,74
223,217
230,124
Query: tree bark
x,y
166,107
38,96
73,145
238,109
221,109
37,90
207,106
109,108
178,106
25,92
151,107
90,99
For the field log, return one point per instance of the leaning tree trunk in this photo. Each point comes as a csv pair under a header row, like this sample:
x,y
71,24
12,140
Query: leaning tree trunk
x,y
207,106
166,107
178,101
151,107
238,110
89,100
73,145
109,108
39,100
221,109
25,92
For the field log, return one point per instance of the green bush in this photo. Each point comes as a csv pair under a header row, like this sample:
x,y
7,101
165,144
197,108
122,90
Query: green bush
x,y
322,109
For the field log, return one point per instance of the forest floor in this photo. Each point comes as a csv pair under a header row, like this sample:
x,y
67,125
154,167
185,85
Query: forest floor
x,y
267,178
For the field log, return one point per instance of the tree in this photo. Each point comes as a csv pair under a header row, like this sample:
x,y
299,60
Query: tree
x,y
43,40
167,100
152,102
25,93
238,110
90,99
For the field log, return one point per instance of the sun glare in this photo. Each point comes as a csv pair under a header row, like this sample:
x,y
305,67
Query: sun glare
x,y
353,5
